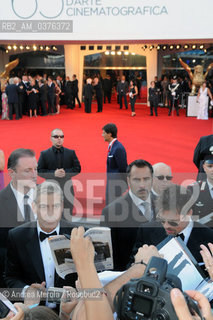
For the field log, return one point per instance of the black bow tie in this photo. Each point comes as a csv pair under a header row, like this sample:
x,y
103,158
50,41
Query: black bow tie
x,y
181,235
43,235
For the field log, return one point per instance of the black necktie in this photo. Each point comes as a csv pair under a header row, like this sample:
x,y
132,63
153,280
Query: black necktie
x,y
59,156
181,235
43,235
27,209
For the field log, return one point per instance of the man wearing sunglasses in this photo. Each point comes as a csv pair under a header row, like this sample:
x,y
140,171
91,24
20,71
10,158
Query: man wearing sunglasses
x,y
174,219
162,178
60,164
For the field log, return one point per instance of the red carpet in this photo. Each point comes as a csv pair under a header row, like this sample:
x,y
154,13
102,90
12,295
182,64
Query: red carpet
x,y
168,139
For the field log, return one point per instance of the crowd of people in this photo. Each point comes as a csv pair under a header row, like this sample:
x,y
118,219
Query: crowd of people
x,y
143,207
39,95
43,95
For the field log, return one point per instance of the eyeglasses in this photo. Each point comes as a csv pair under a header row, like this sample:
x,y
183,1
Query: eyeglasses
x,y
57,136
171,223
164,177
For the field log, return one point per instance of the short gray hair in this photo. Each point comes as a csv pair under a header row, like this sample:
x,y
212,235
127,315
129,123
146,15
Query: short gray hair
x,y
11,81
48,187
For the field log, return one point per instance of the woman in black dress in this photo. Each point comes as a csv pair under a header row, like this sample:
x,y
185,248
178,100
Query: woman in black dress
x,y
133,91
32,98
153,98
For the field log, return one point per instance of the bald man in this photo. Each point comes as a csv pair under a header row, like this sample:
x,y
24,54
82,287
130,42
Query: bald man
x,y
162,178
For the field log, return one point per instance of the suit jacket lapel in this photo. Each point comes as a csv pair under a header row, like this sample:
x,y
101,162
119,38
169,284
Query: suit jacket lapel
x,y
10,202
33,248
194,243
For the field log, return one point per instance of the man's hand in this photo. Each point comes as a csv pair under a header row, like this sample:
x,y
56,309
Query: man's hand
x,y
146,252
34,293
81,248
207,255
182,309
60,173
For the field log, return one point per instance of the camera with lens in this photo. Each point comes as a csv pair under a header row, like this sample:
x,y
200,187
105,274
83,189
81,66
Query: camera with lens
x,y
149,296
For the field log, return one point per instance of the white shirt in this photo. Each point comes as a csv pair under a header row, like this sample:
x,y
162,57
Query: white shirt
x,y
48,262
139,202
20,199
111,143
210,188
187,231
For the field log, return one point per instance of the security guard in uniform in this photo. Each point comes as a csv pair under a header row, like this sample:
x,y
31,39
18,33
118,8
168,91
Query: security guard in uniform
x,y
203,206
203,148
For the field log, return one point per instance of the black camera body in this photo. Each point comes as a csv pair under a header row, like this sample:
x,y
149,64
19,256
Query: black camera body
x,y
149,297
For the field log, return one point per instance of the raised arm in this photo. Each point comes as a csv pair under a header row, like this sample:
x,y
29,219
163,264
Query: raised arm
x,y
82,251
187,68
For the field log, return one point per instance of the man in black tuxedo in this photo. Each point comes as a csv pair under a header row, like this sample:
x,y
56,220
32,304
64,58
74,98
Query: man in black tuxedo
x,y
29,259
43,97
203,207
203,148
22,95
174,219
87,95
60,164
98,92
68,92
125,214
51,95
16,198
107,87
75,91
122,89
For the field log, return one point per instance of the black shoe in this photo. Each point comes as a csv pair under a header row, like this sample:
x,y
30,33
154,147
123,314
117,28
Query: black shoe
x,y
151,115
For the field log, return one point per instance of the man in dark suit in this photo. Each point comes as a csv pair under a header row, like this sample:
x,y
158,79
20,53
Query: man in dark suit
x,y
22,95
75,91
60,164
98,92
68,92
107,87
29,259
43,97
126,213
87,95
122,89
203,207
174,219
116,164
12,94
51,96
203,148
16,198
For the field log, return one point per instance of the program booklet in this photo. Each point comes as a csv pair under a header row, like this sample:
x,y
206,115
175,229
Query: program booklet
x,y
182,264
101,239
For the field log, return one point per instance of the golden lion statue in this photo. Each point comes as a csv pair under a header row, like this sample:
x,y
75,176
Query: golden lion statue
x,y
198,77
8,67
